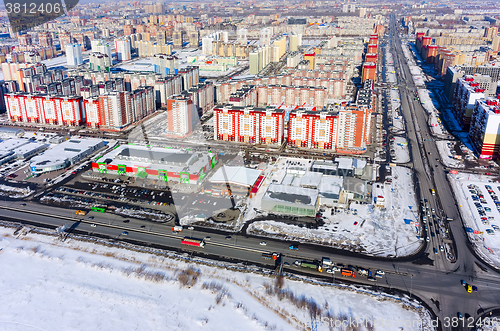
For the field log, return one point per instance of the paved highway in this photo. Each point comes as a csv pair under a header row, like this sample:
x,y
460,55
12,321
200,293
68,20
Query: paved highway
x,y
425,281
431,174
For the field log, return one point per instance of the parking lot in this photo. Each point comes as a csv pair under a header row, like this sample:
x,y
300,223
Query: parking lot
x,y
483,202
120,193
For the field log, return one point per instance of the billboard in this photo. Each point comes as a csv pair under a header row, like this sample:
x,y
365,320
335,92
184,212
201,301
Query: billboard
x,y
122,170
162,175
184,177
102,168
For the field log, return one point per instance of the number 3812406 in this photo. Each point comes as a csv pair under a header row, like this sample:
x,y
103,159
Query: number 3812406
x,y
33,8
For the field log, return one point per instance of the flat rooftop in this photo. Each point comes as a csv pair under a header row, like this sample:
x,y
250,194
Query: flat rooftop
x,y
13,143
63,151
158,158
236,175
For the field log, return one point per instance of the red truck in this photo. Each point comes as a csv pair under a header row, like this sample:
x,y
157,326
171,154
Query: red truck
x,y
193,242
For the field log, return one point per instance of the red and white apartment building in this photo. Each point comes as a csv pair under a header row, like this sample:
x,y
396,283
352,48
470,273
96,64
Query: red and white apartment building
x,y
117,109
249,124
34,108
312,129
340,129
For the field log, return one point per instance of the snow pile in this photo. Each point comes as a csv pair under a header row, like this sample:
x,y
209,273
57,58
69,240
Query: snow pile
x,y
84,286
15,192
371,230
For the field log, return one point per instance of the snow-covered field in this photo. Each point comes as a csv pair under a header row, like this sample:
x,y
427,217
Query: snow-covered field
x,y
486,244
373,230
47,284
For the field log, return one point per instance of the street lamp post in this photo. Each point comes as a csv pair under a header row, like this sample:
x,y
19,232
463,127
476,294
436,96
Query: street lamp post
x,y
411,284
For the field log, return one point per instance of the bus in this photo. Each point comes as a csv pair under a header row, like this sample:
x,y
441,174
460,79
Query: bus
x,y
193,242
348,273
81,212
99,209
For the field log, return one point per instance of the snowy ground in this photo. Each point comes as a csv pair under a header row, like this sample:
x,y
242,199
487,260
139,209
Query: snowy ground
x,y
486,244
492,324
417,75
436,126
426,100
395,98
400,146
446,157
77,285
390,74
409,52
373,230
394,112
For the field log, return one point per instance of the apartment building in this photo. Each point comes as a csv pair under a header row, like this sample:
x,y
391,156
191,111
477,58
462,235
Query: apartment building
x,y
123,49
455,72
180,113
40,108
249,124
468,90
484,128
312,129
